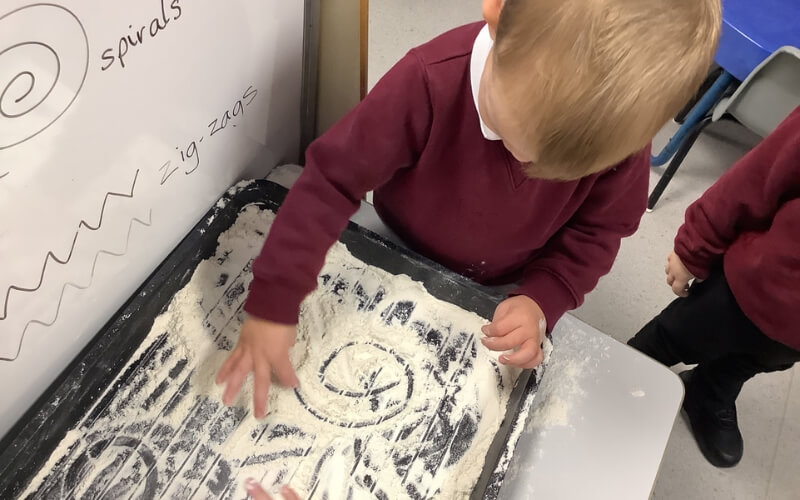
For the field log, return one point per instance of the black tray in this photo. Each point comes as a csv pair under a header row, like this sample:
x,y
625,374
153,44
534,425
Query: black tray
x,y
28,445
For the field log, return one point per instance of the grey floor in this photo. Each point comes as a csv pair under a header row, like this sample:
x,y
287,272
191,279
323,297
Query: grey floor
x,y
769,406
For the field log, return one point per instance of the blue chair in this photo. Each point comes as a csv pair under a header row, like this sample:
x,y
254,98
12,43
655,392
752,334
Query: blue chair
x,y
757,38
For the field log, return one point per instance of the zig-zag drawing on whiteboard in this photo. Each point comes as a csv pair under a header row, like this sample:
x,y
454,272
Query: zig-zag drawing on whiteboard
x,y
52,256
80,287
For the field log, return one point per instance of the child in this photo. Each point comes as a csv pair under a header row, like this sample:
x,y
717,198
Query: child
x,y
515,151
742,238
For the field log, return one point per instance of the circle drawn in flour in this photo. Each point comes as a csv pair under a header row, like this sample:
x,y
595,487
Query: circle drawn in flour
x,y
88,466
360,384
44,59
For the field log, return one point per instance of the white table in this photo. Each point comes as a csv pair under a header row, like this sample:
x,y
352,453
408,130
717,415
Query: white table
x,y
611,411
605,411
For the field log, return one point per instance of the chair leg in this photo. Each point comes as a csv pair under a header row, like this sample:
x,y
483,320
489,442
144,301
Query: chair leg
x,y
712,76
696,115
680,155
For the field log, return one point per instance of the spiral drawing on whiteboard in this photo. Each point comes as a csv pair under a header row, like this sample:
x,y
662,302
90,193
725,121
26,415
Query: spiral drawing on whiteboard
x,y
44,59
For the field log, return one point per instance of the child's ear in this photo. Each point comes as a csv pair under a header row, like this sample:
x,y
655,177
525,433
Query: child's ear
x,y
491,13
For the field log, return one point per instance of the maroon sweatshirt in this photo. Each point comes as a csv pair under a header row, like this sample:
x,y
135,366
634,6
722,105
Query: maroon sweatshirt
x,y
750,219
449,193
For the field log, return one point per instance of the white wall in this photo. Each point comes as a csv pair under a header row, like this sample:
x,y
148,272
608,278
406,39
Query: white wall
x,y
397,27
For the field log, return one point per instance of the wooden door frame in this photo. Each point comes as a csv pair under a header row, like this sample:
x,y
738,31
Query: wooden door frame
x,y
364,36
309,101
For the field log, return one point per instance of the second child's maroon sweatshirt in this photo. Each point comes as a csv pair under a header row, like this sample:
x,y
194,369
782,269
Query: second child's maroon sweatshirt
x,y
749,220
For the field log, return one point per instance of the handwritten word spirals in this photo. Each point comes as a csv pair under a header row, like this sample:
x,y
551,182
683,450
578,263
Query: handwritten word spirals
x,y
44,58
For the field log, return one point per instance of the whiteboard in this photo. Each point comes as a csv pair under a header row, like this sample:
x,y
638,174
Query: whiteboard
x,y
121,122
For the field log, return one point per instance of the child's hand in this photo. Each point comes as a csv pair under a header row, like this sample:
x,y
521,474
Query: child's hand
x,y
518,324
263,348
257,492
678,276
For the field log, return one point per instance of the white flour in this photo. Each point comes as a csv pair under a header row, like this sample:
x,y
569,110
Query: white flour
x,y
505,464
560,391
396,397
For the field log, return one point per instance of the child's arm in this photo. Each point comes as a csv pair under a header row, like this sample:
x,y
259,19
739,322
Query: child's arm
x,y
384,133
571,262
744,199
585,248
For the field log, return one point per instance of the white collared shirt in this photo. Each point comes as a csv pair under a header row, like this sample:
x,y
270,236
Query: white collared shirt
x,y
480,53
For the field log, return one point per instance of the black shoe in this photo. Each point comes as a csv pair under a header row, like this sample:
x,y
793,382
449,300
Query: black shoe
x,y
715,430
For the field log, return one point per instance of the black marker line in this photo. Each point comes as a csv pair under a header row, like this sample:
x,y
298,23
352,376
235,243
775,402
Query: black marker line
x,y
81,287
85,53
50,255
167,173
5,174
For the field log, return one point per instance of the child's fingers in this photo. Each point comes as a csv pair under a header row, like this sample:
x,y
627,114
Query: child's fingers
x,y
537,360
506,342
502,310
289,494
681,288
677,286
526,354
500,327
285,372
261,384
255,490
236,379
228,365
489,330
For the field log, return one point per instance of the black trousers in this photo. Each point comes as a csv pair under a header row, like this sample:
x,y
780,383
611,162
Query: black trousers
x,y
708,328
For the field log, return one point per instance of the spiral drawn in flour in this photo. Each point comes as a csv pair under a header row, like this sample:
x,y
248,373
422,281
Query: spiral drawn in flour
x,y
122,252
44,58
52,256
374,391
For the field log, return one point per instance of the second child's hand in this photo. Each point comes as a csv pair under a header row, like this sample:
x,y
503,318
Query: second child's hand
x,y
678,277
262,349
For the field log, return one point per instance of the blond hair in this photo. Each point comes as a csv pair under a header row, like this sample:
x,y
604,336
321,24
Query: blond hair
x,y
592,81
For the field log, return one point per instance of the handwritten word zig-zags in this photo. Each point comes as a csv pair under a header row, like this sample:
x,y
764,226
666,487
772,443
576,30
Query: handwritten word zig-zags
x,y
52,256
77,286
